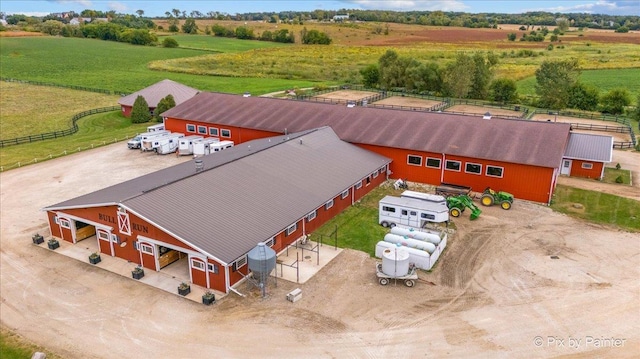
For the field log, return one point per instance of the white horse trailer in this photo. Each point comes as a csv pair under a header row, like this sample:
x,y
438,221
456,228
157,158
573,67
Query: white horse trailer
x,y
202,147
410,212
219,146
136,142
185,144
154,128
424,196
166,144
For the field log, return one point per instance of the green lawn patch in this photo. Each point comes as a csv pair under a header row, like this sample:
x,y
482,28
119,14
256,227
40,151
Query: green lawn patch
x,y
598,207
13,346
611,174
221,44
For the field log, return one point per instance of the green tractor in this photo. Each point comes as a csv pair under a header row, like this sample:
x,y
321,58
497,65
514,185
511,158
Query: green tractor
x,y
457,205
491,197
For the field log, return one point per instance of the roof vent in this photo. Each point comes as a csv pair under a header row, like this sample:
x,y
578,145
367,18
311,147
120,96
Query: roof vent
x,y
487,116
199,165
247,94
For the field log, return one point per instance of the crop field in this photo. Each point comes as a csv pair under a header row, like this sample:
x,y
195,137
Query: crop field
x,y
220,44
114,66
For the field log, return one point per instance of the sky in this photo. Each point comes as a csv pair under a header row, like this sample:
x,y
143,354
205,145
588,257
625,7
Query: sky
x,y
154,8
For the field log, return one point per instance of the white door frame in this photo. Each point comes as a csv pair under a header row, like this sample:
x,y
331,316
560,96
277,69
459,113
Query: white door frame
x,y
566,167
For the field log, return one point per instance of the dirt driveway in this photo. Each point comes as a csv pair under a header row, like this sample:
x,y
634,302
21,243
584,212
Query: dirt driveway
x,y
521,283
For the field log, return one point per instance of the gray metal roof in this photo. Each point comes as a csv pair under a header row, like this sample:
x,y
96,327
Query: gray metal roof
x,y
245,194
535,143
156,92
583,146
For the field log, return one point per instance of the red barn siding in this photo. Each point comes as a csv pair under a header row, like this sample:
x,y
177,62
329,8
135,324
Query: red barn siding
x,y
126,110
55,228
198,277
578,171
238,134
216,281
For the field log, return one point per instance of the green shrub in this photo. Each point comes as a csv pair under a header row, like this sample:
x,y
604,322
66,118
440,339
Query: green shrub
x,y
619,179
169,42
618,166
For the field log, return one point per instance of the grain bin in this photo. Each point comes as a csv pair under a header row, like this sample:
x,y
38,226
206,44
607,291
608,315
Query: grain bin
x,y
261,260
395,262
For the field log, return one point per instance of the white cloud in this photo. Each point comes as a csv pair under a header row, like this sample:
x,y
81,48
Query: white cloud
x,y
411,5
86,3
597,7
117,6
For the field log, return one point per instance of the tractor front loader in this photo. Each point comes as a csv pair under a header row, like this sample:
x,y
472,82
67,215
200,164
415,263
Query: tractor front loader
x,y
457,205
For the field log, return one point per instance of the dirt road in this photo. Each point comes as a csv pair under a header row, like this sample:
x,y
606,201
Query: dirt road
x,y
496,291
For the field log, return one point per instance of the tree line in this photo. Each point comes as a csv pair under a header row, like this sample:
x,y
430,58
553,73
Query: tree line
x,y
471,76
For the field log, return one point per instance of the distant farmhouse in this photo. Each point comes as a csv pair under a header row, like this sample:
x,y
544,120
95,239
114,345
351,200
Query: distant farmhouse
x,y
156,92
341,17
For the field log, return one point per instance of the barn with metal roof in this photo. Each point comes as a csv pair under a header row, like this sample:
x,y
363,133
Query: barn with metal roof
x,y
156,92
586,155
518,156
271,190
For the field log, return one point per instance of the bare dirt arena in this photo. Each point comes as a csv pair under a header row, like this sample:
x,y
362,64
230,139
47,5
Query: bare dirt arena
x,y
495,292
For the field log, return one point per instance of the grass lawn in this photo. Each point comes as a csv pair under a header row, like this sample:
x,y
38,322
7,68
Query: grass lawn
x,y
610,175
117,66
220,44
13,346
95,130
29,110
598,207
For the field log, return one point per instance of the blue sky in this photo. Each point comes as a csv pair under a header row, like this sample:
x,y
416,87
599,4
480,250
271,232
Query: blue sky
x,y
159,7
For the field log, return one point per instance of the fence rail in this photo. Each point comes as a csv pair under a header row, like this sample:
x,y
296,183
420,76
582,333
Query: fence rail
x,y
51,135
73,87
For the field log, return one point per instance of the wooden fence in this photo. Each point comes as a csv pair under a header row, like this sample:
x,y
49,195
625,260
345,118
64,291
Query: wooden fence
x,y
73,87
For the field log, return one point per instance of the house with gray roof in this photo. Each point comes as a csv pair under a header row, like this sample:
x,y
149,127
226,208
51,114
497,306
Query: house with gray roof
x,y
156,92
212,213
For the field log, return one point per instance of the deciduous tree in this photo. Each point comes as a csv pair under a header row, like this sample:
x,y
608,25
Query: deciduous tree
x,y
553,81
615,101
503,90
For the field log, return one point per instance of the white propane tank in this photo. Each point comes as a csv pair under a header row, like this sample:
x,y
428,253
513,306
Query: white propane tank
x,y
409,242
420,258
395,262
415,234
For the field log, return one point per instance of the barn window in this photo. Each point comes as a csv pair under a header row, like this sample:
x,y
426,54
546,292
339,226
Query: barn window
x,y
414,160
311,216
452,165
494,171
587,166
433,162
145,248
213,132
359,185
344,194
65,223
103,235
202,130
292,228
56,219
328,205
213,268
191,128
197,264
225,133
388,209
473,168
270,242
368,180
240,262
375,174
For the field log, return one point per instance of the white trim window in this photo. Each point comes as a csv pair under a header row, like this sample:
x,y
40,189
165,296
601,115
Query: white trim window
x,y
474,168
311,216
103,235
225,133
375,174
328,205
240,262
124,225
56,220
213,131
451,165
344,194
433,162
202,130
146,248
414,160
587,166
65,223
191,128
198,264
359,185
495,171
270,242
292,228
213,268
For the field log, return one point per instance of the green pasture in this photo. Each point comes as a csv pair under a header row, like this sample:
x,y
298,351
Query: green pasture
x,y
117,66
95,130
13,346
604,80
598,207
220,44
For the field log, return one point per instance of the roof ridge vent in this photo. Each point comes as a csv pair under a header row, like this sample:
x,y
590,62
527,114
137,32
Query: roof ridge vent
x,y
487,116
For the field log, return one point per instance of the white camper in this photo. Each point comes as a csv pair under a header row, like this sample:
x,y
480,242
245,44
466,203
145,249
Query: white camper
x,y
185,144
219,146
411,212
166,144
146,141
154,128
136,142
202,147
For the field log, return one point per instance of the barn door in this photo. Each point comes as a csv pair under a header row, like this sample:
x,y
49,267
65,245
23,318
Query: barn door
x,y
566,167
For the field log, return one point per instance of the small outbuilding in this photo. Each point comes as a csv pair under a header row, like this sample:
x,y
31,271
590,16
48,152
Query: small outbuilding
x,y
156,92
586,155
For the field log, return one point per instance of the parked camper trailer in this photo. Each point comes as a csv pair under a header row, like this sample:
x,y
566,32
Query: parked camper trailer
x,y
136,142
185,144
410,212
146,142
202,147
167,144
154,128
219,146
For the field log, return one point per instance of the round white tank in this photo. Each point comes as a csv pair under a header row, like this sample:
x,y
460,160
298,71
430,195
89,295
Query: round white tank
x,y
395,262
410,242
419,235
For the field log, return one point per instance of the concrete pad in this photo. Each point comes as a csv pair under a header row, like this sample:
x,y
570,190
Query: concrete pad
x,y
299,262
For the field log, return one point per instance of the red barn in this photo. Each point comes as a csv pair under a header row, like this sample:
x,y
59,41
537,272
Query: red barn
x,y
520,157
586,155
272,190
156,92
